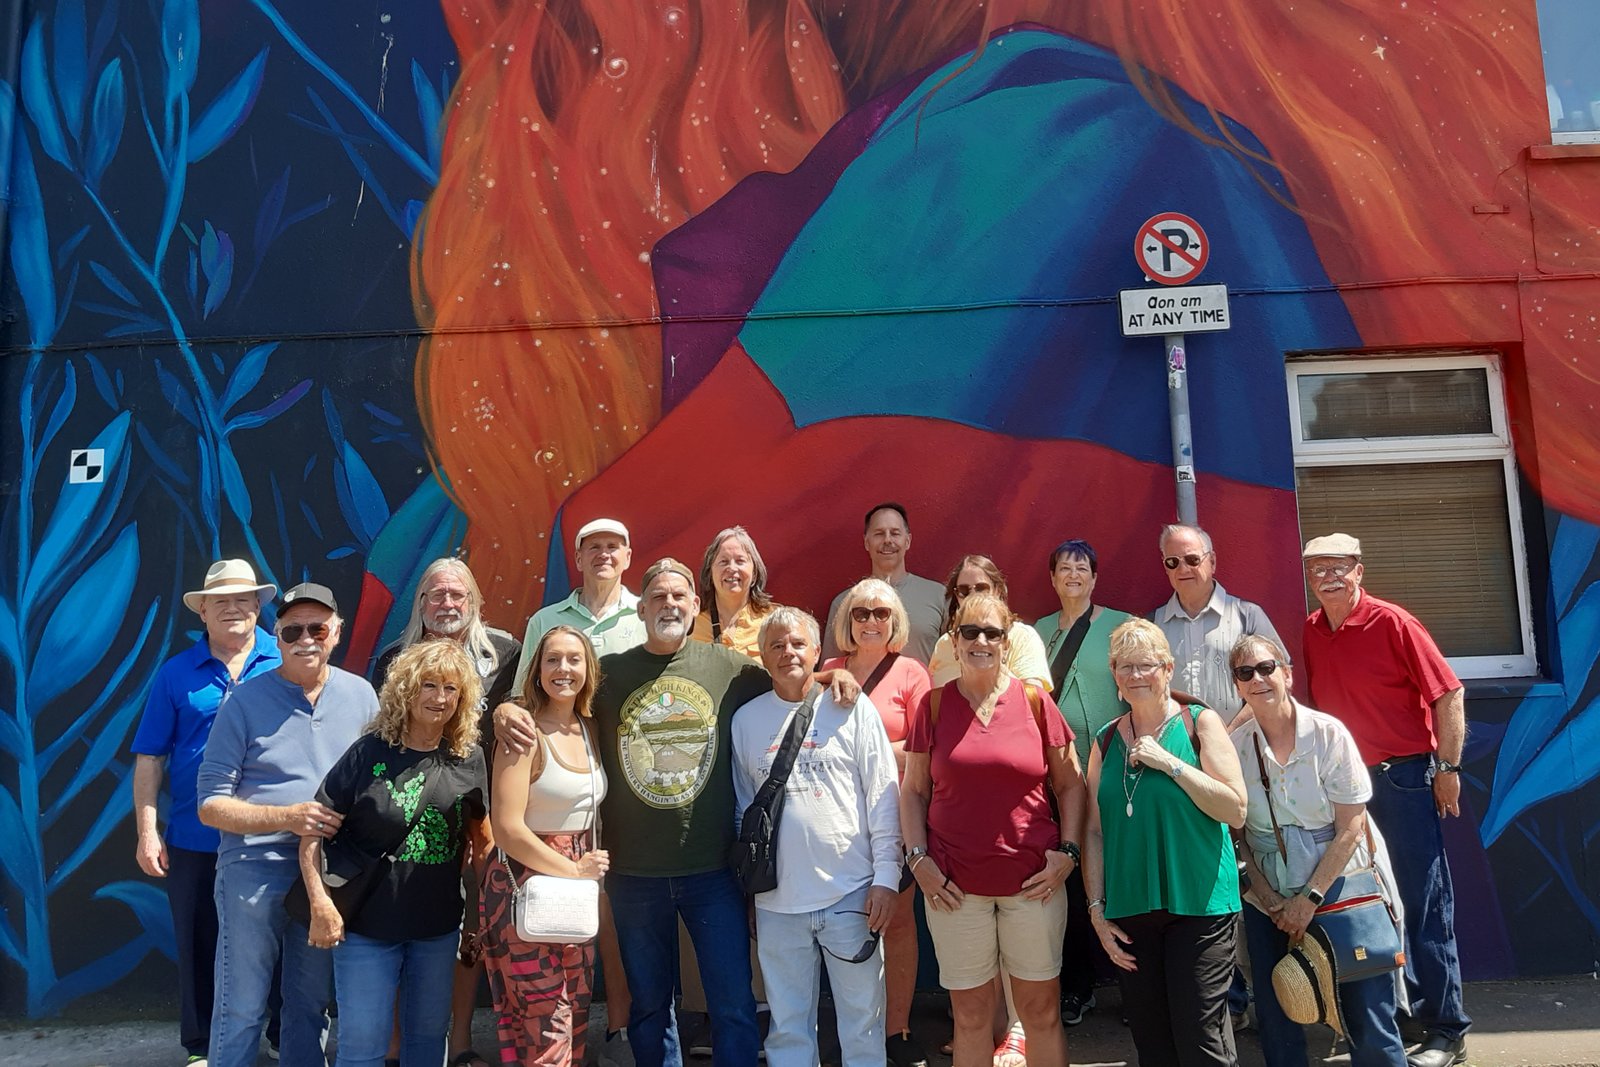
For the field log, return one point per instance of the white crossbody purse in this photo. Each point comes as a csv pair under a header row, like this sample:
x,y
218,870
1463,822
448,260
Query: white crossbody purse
x,y
552,910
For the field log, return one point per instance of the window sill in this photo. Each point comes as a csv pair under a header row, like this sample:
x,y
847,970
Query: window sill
x,y
1512,688
1572,150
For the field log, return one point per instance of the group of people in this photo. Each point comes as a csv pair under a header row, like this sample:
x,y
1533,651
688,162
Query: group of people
x,y
1094,789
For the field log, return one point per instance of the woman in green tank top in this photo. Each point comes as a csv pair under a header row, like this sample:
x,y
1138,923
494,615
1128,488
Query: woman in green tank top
x,y
1159,866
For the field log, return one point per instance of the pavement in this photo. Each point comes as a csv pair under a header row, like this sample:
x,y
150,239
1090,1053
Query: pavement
x,y
1529,1023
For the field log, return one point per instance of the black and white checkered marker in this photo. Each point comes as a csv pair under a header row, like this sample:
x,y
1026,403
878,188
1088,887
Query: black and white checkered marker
x,y
88,466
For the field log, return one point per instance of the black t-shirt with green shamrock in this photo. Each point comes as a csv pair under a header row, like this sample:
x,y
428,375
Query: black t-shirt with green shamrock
x,y
377,787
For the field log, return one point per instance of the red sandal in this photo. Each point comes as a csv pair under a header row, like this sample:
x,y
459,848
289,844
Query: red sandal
x,y
1013,1051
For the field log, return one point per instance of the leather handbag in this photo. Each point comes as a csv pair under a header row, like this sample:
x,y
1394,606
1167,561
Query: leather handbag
x,y
1354,922
754,856
552,910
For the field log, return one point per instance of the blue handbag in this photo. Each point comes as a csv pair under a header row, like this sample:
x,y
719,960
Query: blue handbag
x,y
1354,922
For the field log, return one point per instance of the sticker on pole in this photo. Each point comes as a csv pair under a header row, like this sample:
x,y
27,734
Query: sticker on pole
x,y
1171,248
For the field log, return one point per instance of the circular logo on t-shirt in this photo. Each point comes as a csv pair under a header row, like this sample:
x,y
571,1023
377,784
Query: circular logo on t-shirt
x,y
667,741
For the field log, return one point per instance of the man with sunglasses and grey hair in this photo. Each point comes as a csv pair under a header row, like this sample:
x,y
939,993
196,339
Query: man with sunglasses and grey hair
x,y
1202,620
274,739
838,849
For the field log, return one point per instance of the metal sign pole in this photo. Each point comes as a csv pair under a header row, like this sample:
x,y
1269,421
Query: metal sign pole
x,y
1182,437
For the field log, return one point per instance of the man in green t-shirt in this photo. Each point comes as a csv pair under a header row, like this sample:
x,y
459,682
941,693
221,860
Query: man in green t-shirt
x,y
663,715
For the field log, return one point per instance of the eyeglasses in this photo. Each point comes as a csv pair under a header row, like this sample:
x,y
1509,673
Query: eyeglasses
x,y
1244,672
446,596
1330,570
863,614
292,633
868,949
964,591
970,632
1192,560
1134,670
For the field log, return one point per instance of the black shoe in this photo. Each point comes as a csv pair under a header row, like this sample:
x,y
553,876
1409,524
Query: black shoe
x,y
905,1051
1074,1008
1439,1051
697,1040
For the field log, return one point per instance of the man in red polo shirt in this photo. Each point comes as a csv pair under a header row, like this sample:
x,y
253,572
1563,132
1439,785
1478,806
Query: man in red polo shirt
x,y
1375,667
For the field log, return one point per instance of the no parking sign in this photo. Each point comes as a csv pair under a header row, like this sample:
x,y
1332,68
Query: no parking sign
x,y
1171,248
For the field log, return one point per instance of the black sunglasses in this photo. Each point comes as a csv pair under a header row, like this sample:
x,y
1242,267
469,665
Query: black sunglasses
x,y
292,632
863,614
969,632
867,950
1244,672
1172,562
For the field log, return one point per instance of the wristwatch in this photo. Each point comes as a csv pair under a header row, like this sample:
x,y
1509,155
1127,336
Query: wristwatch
x,y
1177,769
1312,895
1071,850
1444,766
915,851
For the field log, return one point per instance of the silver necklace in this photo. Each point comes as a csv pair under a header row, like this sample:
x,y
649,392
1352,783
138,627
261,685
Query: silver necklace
x,y
1127,768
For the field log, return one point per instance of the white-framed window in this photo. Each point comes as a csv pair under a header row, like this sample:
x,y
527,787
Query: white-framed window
x,y
1568,33
1413,456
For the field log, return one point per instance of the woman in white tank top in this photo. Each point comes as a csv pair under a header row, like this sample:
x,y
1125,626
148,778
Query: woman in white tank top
x,y
542,811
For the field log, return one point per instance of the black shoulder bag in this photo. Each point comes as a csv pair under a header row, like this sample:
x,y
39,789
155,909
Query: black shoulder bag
x,y
348,873
754,856
1067,654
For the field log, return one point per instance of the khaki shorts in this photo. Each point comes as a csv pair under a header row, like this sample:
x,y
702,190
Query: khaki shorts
x,y
987,933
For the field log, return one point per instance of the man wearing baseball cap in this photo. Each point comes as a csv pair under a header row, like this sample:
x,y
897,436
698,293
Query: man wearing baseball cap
x,y
1376,668
601,607
172,735
275,738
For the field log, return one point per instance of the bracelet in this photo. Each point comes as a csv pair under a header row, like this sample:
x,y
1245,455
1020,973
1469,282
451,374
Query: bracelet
x,y
1070,849
911,864
1097,902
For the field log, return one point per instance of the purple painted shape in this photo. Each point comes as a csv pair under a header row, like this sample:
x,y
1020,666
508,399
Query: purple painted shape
x,y
710,271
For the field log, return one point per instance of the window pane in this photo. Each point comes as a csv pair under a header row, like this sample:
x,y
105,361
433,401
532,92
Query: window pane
x,y
1568,30
1415,403
1435,538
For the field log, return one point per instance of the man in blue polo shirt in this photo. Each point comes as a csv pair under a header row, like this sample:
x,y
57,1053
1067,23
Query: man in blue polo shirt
x,y
273,741
172,736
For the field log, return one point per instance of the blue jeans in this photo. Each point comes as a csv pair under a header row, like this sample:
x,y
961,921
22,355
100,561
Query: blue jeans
x,y
791,950
1367,1007
252,931
366,975
1402,806
646,912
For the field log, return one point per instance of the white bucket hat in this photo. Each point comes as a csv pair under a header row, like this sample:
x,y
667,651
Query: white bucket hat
x,y
229,576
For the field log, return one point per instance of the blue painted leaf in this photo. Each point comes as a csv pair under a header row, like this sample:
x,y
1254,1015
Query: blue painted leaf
x,y
313,208
248,419
233,486
105,26
8,115
216,362
67,294
112,284
23,860
102,382
228,111
69,30
177,395
84,621
216,260
192,281
86,720
105,127
1571,554
128,329
1570,761
381,415
252,365
1580,640
63,408
352,146
271,213
311,520
176,474
105,744
30,248
180,45
70,245
210,508
330,415
38,99
148,904
104,972
81,516
342,551
413,216
430,112
360,497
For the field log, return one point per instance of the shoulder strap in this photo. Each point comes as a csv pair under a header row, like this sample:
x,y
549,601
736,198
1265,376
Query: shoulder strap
x,y
1266,787
789,750
1106,733
1067,654
879,671
716,621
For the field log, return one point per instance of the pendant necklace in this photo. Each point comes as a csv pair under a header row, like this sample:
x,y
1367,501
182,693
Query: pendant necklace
x,y
1127,767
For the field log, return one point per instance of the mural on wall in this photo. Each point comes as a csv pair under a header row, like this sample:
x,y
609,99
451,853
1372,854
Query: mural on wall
x,y
313,288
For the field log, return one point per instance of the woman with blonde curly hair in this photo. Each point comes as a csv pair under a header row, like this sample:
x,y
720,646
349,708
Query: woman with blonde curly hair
x,y
412,793
546,800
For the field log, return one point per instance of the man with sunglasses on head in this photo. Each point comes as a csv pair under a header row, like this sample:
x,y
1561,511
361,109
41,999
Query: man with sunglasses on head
x,y
838,848
274,739
1202,620
1372,665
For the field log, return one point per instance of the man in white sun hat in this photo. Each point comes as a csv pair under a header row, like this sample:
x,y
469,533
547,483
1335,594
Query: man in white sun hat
x,y
171,738
602,606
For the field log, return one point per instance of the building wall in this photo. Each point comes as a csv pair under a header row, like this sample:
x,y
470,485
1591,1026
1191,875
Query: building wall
x,y
341,292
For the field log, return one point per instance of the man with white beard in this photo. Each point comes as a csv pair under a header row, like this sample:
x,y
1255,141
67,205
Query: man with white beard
x,y
664,716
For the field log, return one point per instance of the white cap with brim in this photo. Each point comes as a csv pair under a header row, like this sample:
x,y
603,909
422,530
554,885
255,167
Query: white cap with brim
x,y
595,526
227,577
1334,544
